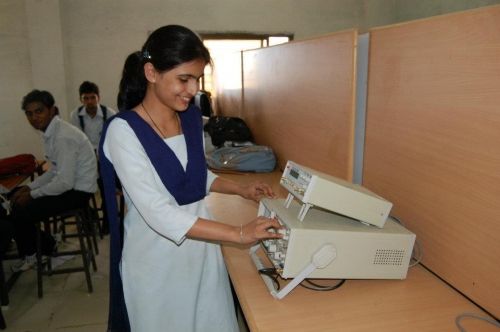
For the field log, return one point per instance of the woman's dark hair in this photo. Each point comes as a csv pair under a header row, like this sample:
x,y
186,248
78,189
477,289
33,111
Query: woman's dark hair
x,y
133,83
43,97
166,48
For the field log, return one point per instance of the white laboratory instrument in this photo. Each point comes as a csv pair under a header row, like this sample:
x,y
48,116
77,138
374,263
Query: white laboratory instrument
x,y
313,188
328,245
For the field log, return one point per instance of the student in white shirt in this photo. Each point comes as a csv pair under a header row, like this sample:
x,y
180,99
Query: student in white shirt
x,y
90,118
91,115
68,184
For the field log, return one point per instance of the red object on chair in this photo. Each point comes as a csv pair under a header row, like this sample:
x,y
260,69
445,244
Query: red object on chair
x,y
21,164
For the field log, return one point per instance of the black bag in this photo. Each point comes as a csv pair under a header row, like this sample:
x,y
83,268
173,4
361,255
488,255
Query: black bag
x,y
223,128
204,103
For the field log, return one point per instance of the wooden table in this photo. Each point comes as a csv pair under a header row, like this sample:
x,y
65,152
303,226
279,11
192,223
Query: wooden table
x,y
6,185
422,302
12,181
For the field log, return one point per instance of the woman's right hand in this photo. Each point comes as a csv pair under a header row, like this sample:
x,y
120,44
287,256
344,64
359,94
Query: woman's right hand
x,y
259,229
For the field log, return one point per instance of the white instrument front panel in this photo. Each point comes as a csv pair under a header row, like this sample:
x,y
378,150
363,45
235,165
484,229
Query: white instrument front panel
x,y
313,188
362,252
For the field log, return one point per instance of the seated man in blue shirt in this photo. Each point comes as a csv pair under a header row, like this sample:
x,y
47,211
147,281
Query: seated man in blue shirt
x,y
68,184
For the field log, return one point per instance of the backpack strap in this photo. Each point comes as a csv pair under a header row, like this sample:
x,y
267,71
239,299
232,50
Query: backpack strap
x,y
104,116
104,113
80,117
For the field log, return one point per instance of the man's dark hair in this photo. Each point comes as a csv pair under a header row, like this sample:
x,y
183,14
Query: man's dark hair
x,y
43,97
88,87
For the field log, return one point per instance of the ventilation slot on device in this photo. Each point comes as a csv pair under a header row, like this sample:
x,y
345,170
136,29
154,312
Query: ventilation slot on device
x,y
389,257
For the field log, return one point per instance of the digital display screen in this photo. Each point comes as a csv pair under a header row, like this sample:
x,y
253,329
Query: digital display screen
x,y
294,173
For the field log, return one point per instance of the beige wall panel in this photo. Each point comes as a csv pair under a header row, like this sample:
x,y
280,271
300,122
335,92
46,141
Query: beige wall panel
x,y
228,84
432,142
299,99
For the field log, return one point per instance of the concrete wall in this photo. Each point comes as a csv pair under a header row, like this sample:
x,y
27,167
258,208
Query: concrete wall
x,y
15,132
96,45
57,44
406,10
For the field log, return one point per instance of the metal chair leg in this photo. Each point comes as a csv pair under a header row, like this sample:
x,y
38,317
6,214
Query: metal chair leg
x,y
86,251
3,326
39,265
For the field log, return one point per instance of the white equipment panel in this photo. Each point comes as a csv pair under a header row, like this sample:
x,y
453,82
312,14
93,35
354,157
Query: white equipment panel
x,y
328,245
314,188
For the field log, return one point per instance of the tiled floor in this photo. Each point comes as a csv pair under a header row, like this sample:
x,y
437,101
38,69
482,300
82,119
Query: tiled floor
x,y
66,304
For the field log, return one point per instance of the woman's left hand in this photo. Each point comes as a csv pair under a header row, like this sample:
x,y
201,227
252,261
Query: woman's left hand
x,y
256,190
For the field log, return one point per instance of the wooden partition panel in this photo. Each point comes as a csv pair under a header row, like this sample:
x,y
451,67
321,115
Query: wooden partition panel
x,y
298,98
432,142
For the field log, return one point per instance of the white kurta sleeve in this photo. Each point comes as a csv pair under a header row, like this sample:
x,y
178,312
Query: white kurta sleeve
x,y
141,182
210,179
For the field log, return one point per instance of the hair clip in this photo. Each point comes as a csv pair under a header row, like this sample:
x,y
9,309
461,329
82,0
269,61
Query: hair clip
x,y
146,55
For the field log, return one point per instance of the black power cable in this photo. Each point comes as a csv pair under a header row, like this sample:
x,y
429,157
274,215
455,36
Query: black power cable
x,y
274,275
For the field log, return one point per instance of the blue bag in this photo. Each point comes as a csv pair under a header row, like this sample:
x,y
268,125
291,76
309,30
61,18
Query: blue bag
x,y
253,158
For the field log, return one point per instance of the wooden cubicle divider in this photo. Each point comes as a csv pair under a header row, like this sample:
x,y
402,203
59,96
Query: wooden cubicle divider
x,y
299,98
432,142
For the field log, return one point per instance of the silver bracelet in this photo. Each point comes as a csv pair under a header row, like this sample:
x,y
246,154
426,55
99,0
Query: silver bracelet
x,y
241,233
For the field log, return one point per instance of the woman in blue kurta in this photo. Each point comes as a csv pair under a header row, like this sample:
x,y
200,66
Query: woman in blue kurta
x,y
167,271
